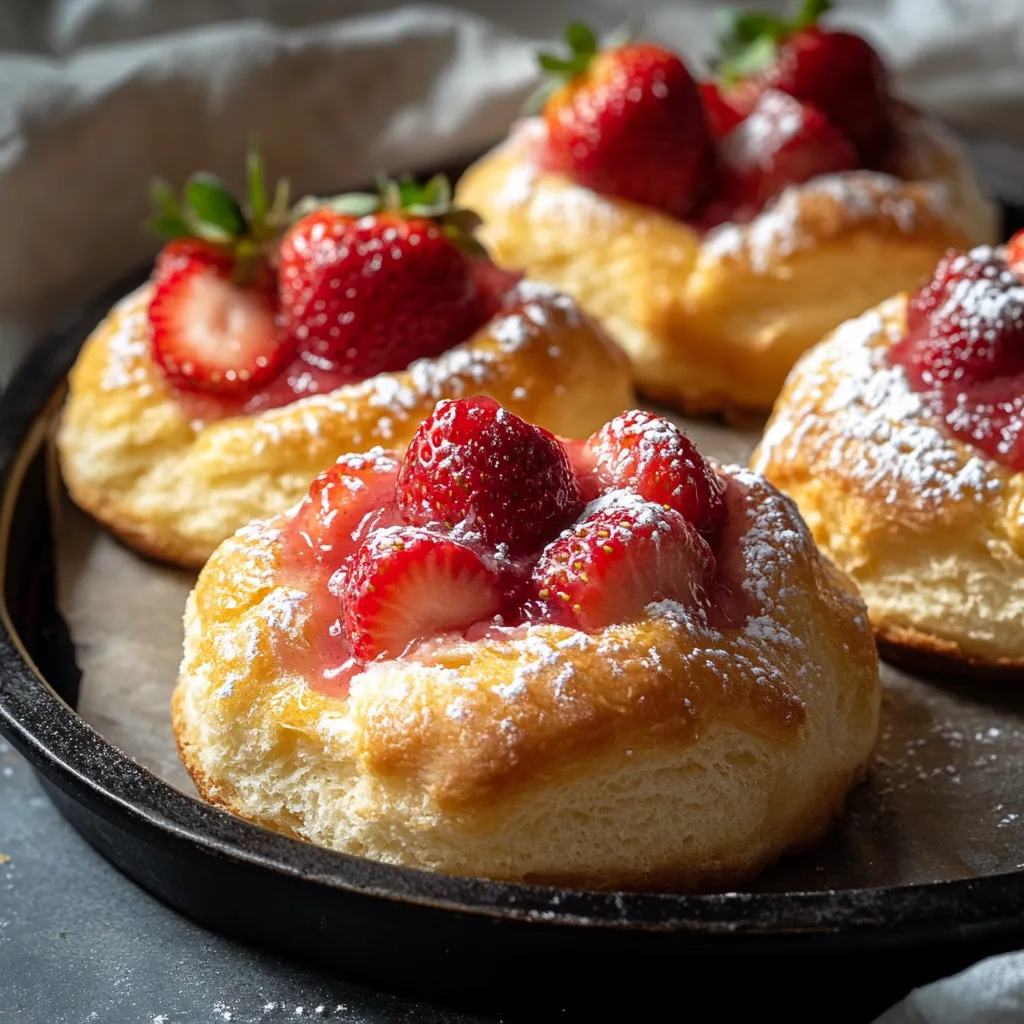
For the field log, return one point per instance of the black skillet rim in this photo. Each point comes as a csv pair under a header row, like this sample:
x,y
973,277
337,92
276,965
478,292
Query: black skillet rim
x,y
107,783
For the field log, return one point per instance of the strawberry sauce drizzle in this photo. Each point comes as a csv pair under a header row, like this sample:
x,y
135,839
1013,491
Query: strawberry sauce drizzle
x,y
352,498
305,375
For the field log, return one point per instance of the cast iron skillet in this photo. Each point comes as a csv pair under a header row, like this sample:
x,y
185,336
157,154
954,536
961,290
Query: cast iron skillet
x,y
480,944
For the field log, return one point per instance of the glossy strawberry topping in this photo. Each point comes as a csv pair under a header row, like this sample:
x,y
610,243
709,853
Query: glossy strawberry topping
x,y
964,349
490,523
791,100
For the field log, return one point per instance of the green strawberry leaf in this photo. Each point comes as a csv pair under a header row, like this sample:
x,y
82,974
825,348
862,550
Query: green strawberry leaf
x,y
439,190
558,65
208,210
747,27
168,226
163,198
279,208
810,14
581,39
753,58
213,206
406,197
463,221
355,204
748,42
583,46
432,199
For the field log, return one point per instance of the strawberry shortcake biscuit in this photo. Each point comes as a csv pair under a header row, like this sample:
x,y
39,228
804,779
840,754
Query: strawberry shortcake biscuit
x,y
268,340
901,438
718,229
509,655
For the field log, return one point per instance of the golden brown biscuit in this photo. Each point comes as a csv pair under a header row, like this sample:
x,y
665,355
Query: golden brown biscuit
x,y
174,488
660,752
714,323
930,529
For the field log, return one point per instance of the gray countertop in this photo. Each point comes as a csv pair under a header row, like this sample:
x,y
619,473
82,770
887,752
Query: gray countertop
x,y
80,942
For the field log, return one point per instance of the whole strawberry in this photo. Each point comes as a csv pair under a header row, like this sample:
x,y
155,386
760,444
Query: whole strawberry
x,y
372,282
505,480
628,122
213,312
837,72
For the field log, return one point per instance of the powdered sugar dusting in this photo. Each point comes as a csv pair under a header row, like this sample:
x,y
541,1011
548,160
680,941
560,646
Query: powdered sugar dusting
x,y
860,197
879,431
128,346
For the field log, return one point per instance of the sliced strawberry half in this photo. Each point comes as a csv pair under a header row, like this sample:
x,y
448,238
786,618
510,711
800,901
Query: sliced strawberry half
x,y
407,583
649,454
210,334
625,555
213,312
327,522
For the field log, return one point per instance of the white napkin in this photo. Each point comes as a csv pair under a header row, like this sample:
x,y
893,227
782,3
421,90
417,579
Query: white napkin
x,y
98,95
990,992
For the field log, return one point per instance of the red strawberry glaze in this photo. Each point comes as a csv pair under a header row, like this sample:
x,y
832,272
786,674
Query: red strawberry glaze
x,y
345,503
964,352
303,376
352,517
